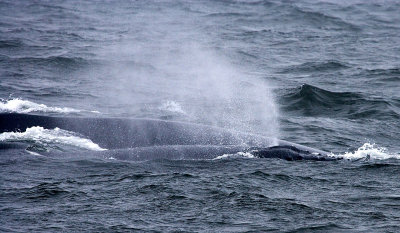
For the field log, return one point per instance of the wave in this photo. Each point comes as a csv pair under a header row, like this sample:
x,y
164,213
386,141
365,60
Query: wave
x,y
390,71
43,190
25,106
229,14
46,137
322,21
15,43
246,2
50,61
368,151
309,100
317,66
386,75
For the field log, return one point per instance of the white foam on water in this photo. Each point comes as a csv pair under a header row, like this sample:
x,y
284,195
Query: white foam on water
x,y
25,106
236,155
173,107
51,136
368,151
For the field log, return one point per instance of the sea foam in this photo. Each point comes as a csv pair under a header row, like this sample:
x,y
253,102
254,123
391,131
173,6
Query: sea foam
x,y
25,106
368,151
56,136
236,155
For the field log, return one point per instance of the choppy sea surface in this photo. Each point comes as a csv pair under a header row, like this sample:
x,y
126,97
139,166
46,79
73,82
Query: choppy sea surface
x,y
323,74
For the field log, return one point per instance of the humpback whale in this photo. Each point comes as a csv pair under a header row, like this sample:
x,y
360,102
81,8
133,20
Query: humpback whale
x,y
146,139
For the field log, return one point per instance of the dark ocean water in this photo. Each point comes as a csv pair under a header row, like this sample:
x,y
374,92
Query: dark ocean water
x,y
323,74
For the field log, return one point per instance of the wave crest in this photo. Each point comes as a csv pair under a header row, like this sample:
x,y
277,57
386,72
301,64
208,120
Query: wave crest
x,y
45,137
313,101
317,67
25,106
368,151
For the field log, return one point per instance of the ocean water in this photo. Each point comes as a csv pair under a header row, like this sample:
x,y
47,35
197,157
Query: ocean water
x,y
141,115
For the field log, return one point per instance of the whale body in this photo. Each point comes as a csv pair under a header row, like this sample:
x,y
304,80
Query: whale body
x,y
146,139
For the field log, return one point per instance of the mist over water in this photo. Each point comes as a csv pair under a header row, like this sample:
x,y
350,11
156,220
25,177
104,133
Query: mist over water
x,y
177,66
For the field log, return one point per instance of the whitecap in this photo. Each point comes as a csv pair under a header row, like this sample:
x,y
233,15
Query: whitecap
x,y
56,136
368,151
25,106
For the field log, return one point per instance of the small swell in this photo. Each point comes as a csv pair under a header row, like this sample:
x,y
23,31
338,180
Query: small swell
x,y
45,190
51,61
323,227
390,71
50,137
250,3
385,75
317,66
11,43
323,21
228,14
309,100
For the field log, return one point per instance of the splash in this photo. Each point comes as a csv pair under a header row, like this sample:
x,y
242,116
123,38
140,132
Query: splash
x,y
172,107
368,151
236,155
45,137
25,106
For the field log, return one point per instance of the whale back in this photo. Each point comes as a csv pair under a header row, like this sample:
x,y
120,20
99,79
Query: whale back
x,y
139,139
116,133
